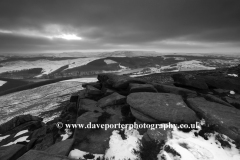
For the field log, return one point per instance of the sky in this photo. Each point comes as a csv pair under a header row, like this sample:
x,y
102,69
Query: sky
x,y
188,26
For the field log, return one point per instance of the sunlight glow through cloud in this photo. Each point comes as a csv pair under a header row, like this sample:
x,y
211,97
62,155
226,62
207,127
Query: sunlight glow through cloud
x,y
68,37
34,33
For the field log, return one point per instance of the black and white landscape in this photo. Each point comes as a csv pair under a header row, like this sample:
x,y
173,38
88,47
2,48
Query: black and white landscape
x,y
114,61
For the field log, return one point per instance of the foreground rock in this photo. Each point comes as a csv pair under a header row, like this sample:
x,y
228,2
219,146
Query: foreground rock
x,y
224,118
12,152
96,139
85,119
113,99
61,148
160,107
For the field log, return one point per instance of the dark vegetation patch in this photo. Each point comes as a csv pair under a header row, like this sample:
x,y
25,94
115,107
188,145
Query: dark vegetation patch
x,y
122,134
170,150
184,145
11,83
22,74
89,156
125,110
150,149
206,131
96,65
16,58
27,85
224,143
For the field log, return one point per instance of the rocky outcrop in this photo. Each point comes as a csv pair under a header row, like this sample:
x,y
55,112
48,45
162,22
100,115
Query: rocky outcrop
x,y
224,118
162,107
123,100
118,82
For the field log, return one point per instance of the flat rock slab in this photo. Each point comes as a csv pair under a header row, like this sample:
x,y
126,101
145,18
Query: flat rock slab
x,y
134,87
221,91
234,102
41,155
97,140
223,82
47,141
163,107
61,148
86,118
175,90
12,152
216,99
190,81
117,81
113,99
226,119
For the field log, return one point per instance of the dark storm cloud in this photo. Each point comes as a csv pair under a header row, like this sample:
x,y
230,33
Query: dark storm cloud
x,y
111,24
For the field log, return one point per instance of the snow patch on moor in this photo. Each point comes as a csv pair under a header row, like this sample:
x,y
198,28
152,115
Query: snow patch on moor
x,y
109,61
21,132
21,139
2,82
120,149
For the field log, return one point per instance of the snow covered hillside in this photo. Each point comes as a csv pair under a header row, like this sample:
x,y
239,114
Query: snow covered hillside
x,y
47,65
39,101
